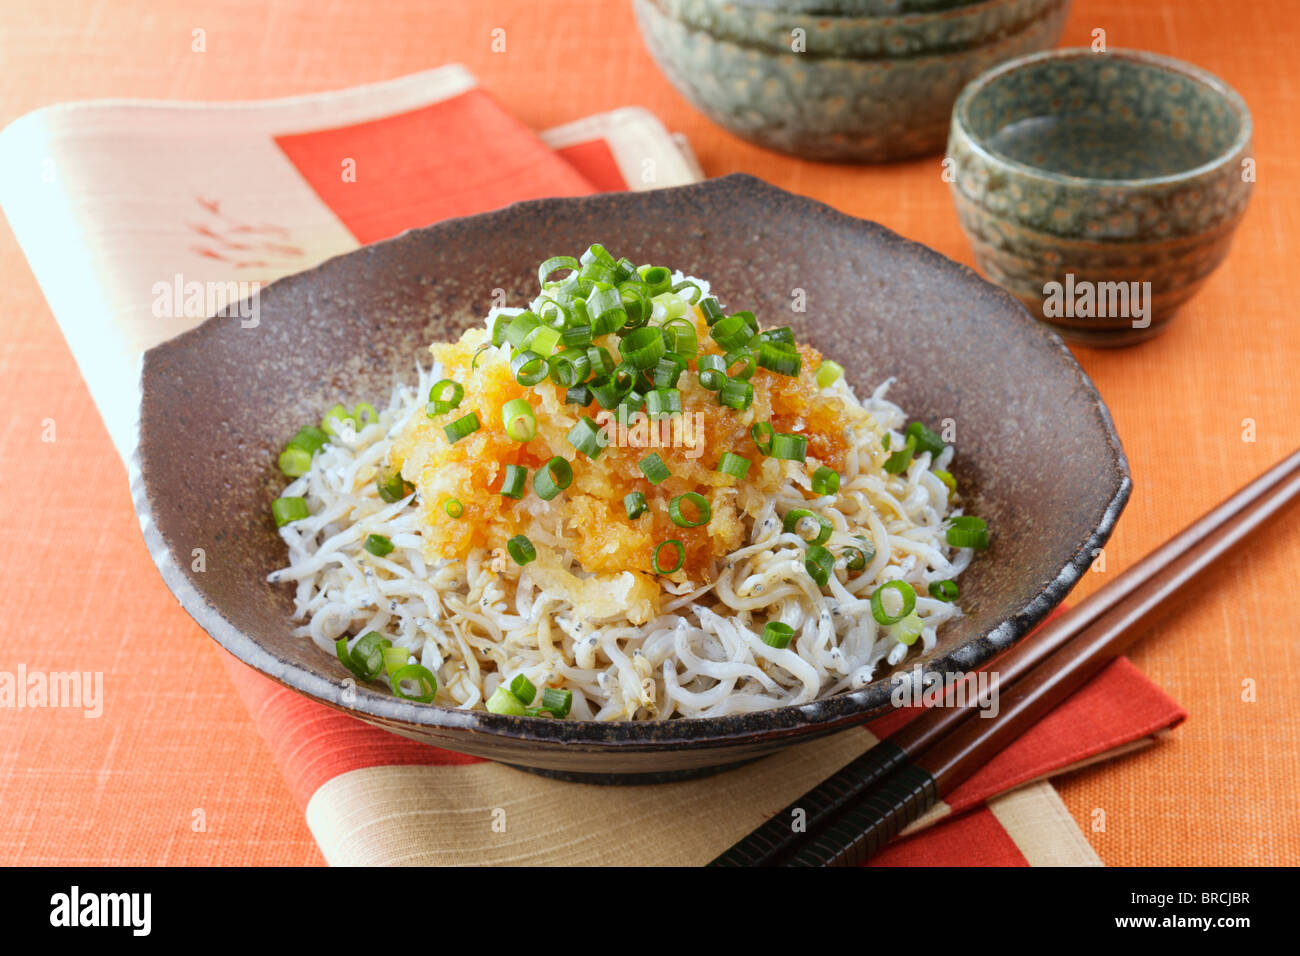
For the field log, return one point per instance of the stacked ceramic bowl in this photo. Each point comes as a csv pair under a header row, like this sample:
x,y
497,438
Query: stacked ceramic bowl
x,y
864,80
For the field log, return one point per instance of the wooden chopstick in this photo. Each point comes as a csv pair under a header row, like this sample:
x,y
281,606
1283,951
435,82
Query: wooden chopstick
x,y
853,812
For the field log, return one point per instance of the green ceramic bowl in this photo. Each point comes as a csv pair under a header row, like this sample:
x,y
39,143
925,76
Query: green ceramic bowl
x,y
856,8
783,31
822,107
1100,189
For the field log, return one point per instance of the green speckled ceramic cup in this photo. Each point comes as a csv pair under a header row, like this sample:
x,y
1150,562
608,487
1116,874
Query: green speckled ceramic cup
x,y
838,107
1101,189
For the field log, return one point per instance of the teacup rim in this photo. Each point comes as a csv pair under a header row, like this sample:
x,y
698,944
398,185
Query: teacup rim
x,y
1230,96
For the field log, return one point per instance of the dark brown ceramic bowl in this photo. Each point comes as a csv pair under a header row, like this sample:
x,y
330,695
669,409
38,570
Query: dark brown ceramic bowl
x,y
1035,445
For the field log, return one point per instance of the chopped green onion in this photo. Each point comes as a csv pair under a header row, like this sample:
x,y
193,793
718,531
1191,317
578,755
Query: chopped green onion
x,y
616,386
556,702
636,301
588,437
819,563
576,337
578,395
712,311
285,510
523,689
605,308
736,394
828,373
733,465
668,370
926,440
395,658
789,447
825,481
905,591
552,312
745,359
521,549
667,306
777,634
713,372
595,253
453,508
642,348
659,280
602,271
552,264
366,659
341,651
681,557
309,438
512,486
552,478
944,590
504,702
732,332
946,478
378,545
653,467
967,531
703,511
428,684
663,401
542,340
782,336
855,559
461,427
499,326
688,284
473,363
680,337
634,504
608,390
520,327
633,402
334,418
796,516
529,368
763,434
601,362
569,367
294,462
519,419
908,629
443,397
780,358
391,485
899,460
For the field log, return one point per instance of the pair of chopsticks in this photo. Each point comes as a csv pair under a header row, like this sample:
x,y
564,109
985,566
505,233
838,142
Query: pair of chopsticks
x,y
855,812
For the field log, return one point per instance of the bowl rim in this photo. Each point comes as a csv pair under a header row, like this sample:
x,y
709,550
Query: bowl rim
x,y
912,18
782,6
1231,98
822,714
914,60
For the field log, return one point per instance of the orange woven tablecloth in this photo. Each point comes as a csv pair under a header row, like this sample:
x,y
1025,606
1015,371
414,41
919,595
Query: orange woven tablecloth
x,y
175,747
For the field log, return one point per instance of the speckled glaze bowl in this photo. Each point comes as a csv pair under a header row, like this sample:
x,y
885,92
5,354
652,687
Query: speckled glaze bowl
x,y
857,8
817,106
864,37
1080,177
1037,453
